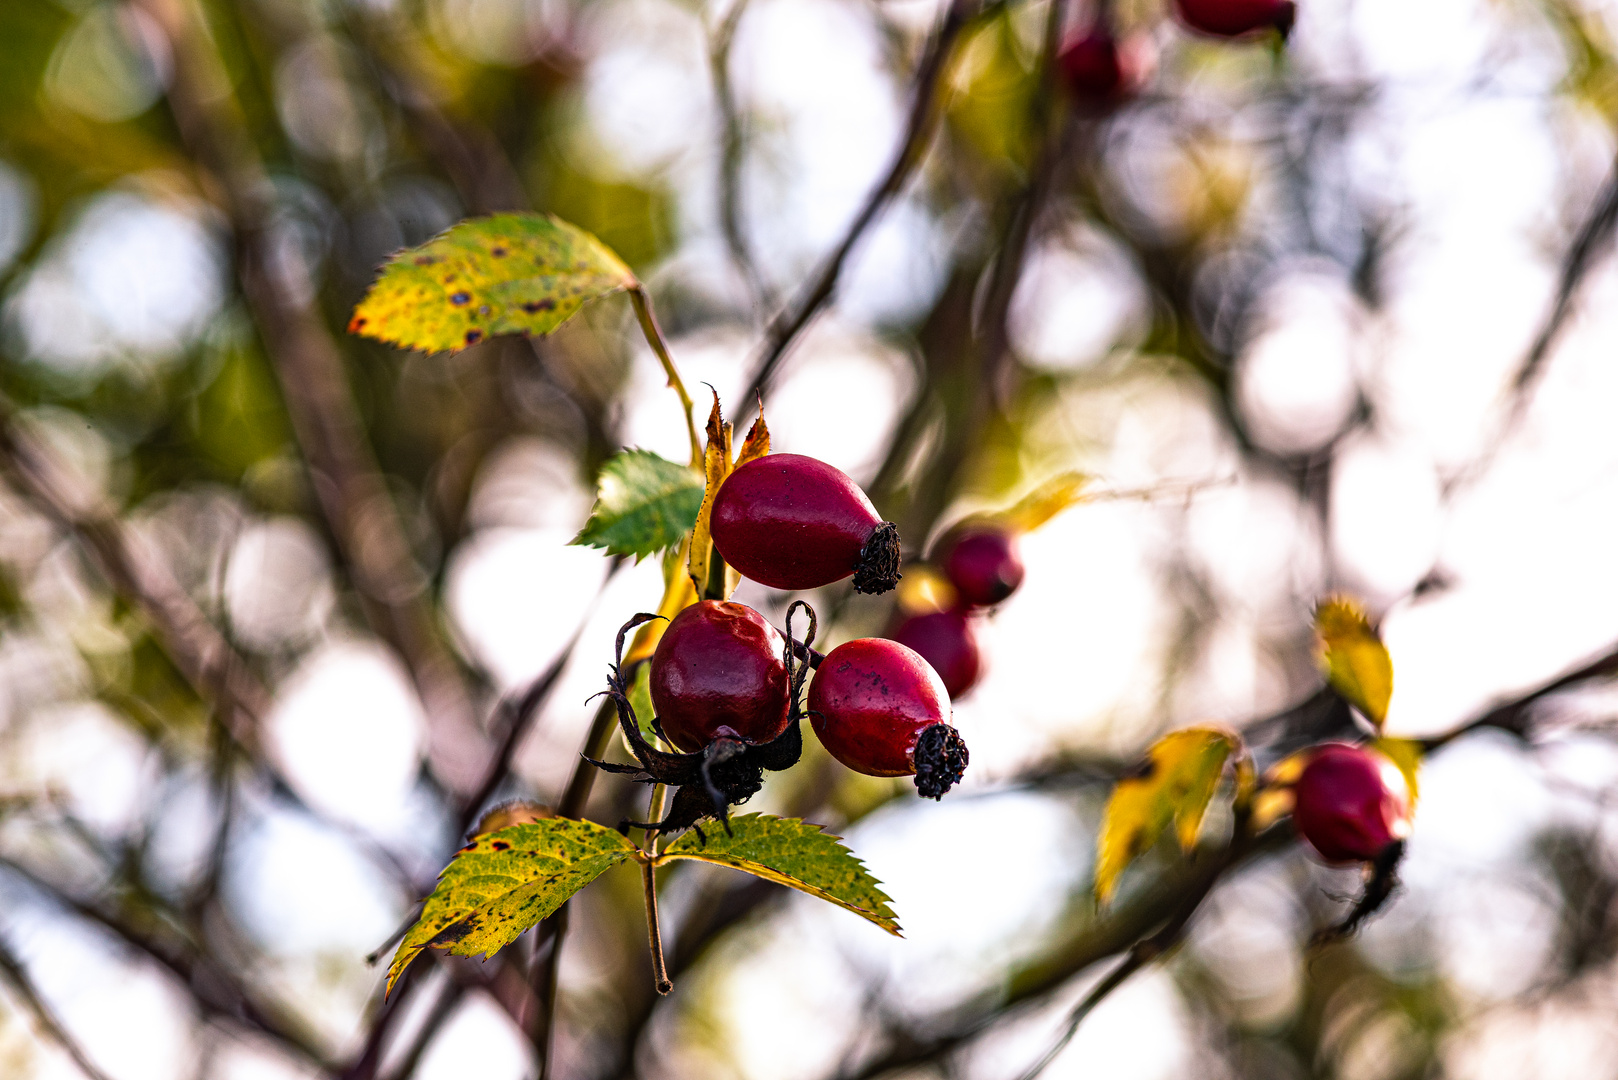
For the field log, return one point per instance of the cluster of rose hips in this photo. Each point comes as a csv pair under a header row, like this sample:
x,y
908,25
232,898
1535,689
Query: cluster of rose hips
x,y
726,686
1099,75
983,567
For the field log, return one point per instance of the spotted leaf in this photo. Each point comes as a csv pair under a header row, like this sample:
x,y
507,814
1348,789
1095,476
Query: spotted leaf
x,y
796,854
503,274
504,882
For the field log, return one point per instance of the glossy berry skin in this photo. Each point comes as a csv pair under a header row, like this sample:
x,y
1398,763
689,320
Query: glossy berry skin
x,y
794,522
880,709
1352,803
946,640
983,565
719,671
1091,68
1237,18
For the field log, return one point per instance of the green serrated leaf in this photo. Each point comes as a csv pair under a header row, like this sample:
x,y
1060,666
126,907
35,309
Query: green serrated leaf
x,y
504,882
1181,774
503,274
796,854
644,504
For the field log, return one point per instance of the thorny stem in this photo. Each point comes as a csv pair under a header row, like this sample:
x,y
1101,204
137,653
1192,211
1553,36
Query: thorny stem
x,y
13,973
642,303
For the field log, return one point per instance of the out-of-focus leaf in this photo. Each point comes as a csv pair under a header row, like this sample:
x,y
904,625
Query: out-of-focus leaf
x,y
1178,780
644,504
503,274
716,459
1045,502
1405,753
506,881
1356,662
796,854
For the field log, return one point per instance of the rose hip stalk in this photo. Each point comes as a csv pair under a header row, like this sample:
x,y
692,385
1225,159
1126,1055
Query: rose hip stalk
x,y
880,709
792,522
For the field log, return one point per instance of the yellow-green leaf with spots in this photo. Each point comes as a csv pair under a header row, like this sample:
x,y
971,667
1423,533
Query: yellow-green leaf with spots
x,y
793,853
503,274
1174,785
504,882
1357,663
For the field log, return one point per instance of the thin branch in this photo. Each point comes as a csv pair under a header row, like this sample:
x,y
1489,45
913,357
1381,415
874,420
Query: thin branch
x,y
319,400
789,323
1589,242
642,303
731,157
214,988
198,649
16,976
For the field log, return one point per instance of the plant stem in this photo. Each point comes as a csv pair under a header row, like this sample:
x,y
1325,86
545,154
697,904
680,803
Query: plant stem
x,y
654,935
654,337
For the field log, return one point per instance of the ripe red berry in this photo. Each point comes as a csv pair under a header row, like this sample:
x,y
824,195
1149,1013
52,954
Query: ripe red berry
x,y
983,564
719,671
880,709
946,640
1091,68
1352,803
1235,18
792,522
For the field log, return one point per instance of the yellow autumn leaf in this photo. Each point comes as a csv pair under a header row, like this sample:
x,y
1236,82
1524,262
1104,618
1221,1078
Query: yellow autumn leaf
x,y
1043,503
1181,773
1356,662
1405,753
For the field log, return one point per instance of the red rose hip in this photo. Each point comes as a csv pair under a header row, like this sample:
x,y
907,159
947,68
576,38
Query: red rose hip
x,y
1237,18
983,564
719,670
793,522
1352,803
946,640
880,709
1091,68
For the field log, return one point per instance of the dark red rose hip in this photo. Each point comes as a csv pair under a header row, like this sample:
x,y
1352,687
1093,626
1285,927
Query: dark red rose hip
x,y
946,640
717,671
983,564
880,709
1091,68
1352,803
792,522
1237,18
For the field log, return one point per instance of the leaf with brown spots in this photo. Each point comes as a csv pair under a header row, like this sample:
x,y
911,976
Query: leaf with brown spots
x,y
504,882
796,854
503,274
1175,785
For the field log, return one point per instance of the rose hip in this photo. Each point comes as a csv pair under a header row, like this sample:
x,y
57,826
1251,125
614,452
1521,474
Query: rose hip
x,y
983,564
793,522
880,709
946,640
1352,803
1237,18
719,671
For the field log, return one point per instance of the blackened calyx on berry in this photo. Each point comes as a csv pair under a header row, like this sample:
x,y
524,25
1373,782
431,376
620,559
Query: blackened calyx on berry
x,y
941,760
877,570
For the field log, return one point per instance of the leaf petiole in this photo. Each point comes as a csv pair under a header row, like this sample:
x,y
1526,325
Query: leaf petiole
x,y
654,337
